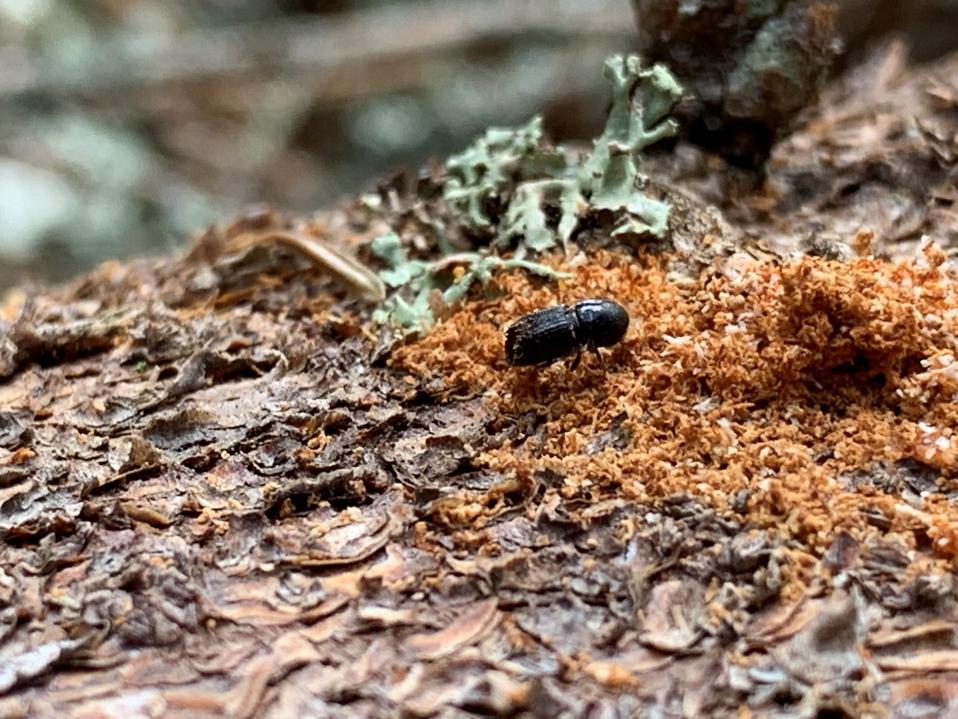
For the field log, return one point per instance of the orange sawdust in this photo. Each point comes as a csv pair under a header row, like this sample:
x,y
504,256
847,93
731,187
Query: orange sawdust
x,y
760,391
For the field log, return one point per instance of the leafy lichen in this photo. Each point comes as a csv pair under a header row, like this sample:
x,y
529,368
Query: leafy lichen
x,y
488,167
641,102
527,218
511,185
517,170
419,285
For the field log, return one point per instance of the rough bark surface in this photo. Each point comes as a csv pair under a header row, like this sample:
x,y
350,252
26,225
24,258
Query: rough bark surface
x,y
221,493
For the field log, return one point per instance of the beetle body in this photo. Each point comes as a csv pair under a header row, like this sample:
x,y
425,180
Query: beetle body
x,y
543,336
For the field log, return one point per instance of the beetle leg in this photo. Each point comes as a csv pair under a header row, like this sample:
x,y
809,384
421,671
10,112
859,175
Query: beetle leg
x,y
592,346
578,358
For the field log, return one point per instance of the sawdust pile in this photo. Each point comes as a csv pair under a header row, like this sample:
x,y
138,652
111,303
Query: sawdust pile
x,y
790,394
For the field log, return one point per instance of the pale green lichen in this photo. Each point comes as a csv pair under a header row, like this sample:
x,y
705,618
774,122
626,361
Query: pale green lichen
x,y
489,167
510,185
641,103
516,170
526,215
426,284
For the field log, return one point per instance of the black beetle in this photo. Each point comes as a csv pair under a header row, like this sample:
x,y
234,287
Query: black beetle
x,y
543,336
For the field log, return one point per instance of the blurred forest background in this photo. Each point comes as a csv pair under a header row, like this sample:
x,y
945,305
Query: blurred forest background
x,y
127,125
